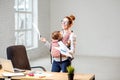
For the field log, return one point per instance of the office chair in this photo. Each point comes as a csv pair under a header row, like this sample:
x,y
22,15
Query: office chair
x,y
18,56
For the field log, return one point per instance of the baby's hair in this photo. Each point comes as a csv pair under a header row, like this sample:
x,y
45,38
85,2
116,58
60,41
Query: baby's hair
x,y
56,35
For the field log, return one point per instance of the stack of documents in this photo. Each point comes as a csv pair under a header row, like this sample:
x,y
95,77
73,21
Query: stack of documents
x,y
63,49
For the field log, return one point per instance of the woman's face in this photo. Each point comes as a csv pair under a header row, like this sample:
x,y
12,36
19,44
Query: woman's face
x,y
64,23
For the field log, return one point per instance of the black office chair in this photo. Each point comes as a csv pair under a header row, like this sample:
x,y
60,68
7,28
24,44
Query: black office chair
x,y
18,56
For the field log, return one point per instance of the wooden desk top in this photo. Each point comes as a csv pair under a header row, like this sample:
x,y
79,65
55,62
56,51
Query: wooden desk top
x,y
54,76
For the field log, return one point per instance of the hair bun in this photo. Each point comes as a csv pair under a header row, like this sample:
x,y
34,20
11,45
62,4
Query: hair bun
x,y
72,17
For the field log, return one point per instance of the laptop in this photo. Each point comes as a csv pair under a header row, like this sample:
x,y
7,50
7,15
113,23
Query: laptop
x,y
6,65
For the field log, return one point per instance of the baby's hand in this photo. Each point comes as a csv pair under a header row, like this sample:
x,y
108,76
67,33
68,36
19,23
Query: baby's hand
x,y
42,39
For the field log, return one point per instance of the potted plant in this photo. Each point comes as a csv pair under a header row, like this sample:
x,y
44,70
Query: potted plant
x,y
70,70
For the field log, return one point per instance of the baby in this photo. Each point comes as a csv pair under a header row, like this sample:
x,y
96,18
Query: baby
x,y
56,37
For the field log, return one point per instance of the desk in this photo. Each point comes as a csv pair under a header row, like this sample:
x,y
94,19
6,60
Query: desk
x,y
55,76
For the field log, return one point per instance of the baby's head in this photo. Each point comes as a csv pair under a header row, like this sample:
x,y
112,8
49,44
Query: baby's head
x,y
56,35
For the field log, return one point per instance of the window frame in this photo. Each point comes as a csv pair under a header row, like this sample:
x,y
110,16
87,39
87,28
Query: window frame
x,y
24,30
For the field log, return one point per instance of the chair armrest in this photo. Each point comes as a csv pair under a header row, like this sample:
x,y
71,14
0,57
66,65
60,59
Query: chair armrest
x,y
39,67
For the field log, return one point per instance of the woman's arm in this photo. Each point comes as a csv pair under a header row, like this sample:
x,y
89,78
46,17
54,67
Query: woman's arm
x,y
45,42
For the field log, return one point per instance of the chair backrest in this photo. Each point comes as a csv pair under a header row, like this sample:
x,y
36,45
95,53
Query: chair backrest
x,y
18,55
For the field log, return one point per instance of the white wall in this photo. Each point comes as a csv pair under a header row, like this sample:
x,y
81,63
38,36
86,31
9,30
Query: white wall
x,y
97,24
44,27
6,25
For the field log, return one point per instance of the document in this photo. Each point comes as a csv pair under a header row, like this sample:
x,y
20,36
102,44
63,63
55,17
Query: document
x,y
37,30
63,49
9,74
19,70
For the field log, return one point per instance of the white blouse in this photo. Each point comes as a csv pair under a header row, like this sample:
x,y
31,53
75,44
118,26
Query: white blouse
x,y
72,39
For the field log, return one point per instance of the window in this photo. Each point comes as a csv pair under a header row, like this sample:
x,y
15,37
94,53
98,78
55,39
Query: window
x,y
25,23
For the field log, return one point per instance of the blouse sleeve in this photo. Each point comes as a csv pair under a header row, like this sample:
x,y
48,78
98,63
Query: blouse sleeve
x,y
72,39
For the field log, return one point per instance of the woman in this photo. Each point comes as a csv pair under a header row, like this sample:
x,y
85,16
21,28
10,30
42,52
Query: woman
x,y
69,39
61,62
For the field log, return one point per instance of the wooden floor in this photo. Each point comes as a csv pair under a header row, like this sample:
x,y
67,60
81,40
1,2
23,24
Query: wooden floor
x,y
104,68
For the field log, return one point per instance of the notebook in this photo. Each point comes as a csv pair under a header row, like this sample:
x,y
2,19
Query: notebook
x,y
6,65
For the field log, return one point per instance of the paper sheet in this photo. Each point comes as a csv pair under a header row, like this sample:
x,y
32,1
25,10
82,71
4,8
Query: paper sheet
x,y
37,30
